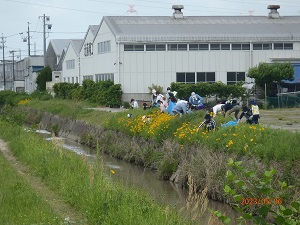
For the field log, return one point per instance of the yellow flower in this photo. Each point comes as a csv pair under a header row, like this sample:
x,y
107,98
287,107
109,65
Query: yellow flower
x,y
112,171
251,139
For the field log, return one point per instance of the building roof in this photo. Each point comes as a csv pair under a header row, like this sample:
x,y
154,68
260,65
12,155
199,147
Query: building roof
x,y
77,43
94,29
59,45
203,28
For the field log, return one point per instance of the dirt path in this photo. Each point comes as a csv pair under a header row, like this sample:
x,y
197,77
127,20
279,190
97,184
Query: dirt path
x,y
287,118
55,201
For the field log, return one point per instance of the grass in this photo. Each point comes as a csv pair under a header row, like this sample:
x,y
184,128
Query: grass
x,y
84,186
19,202
266,143
71,109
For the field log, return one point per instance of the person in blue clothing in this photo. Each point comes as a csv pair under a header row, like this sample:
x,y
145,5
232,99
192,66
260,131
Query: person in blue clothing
x,y
171,103
196,101
181,108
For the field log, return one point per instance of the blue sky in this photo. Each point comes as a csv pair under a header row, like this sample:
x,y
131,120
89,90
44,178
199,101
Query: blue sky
x,y
71,18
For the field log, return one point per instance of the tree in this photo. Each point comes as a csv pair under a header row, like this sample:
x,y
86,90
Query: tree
x,y
44,76
266,73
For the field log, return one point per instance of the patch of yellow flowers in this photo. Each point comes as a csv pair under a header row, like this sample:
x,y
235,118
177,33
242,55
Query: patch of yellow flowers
x,y
23,102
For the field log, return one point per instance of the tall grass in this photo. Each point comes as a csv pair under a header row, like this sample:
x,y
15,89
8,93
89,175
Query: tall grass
x,y
71,109
87,188
19,204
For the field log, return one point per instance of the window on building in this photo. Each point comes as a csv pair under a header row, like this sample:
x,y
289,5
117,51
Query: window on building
x,y
203,47
88,49
157,47
70,64
88,77
267,46
206,77
257,46
150,47
236,46
245,46
104,46
214,46
76,79
160,47
283,46
193,47
177,47
182,47
288,46
185,77
138,48
104,77
172,47
234,77
278,46
225,46
128,48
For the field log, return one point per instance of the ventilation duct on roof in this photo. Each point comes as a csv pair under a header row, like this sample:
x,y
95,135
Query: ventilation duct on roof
x,y
177,13
273,14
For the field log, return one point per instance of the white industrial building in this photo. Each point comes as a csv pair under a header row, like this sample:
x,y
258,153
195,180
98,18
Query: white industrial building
x,y
138,51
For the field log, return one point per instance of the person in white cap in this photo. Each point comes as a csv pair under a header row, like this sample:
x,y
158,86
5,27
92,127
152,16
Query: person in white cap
x,y
195,100
154,98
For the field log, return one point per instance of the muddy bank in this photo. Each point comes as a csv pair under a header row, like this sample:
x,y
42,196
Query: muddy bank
x,y
206,167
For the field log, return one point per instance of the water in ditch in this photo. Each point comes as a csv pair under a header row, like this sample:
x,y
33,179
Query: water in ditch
x,y
164,192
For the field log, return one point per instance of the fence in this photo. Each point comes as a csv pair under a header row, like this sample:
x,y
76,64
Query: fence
x,y
285,100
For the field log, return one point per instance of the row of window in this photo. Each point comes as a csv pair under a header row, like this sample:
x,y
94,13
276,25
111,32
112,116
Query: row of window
x,y
207,47
70,64
71,80
210,77
104,46
104,77
100,77
88,49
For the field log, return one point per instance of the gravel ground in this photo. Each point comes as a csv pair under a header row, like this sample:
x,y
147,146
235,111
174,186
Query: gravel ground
x,y
288,118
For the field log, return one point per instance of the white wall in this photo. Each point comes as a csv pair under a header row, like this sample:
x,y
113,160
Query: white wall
x,y
86,62
70,73
106,62
140,69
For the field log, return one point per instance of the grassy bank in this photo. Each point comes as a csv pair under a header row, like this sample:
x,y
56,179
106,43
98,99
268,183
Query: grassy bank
x,y
84,186
19,202
263,142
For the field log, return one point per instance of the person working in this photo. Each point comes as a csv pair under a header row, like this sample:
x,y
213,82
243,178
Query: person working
x,y
181,108
255,113
217,108
230,108
195,100
247,113
208,124
134,103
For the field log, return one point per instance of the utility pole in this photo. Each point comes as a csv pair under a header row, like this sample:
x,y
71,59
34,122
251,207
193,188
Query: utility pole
x,y
3,62
13,68
44,17
28,37
44,32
